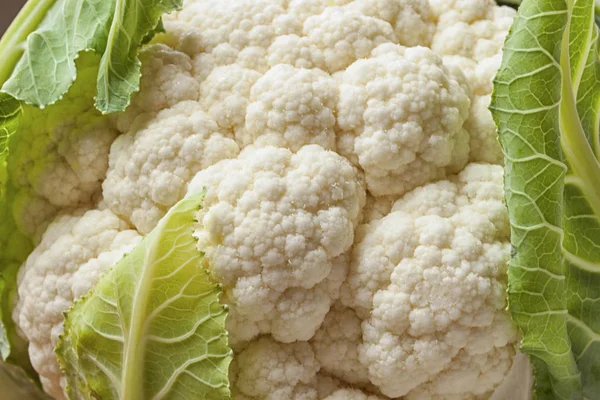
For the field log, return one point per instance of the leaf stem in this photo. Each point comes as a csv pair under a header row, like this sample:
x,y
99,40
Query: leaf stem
x,y
12,44
577,149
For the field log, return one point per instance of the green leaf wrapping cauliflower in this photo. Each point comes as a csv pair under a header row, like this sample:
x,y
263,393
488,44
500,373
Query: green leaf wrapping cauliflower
x,y
353,208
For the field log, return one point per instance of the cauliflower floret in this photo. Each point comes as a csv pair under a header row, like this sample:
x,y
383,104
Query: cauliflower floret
x,y
332,40
429,280
336,345
225,94
335,37
345,35
291,107
167,79
268,370
272,224
74,252
240,33
294,307
412,20
474,29
297,51
149,168
243,23
401,113
31,214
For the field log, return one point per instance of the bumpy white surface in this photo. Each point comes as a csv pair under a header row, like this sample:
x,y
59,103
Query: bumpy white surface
x,y
402,115
149,168
471,28
413,21
272,371
356,112
291,107
429,279
272,224
74,252
225,97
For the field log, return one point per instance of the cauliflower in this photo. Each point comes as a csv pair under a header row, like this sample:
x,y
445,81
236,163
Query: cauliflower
x,y
401,113
471,28
413,20
272,226
149,168
225,96
292,107
429,281
272,371
353,210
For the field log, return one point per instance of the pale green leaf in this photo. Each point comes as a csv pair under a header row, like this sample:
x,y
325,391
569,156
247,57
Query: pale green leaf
x,y
114,29
153,327
545,103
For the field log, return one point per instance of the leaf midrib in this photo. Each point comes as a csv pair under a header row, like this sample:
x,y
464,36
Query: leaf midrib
x,y
133,356
577,149
12,43
107,56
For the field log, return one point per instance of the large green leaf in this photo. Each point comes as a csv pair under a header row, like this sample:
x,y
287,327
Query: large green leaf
x,y
545,103
153,327
114,29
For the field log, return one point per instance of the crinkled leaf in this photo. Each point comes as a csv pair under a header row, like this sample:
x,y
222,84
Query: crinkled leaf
x,y
153,327
545,103
114,29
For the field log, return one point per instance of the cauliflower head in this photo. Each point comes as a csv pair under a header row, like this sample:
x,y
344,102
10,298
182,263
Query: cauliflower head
x,y
353,211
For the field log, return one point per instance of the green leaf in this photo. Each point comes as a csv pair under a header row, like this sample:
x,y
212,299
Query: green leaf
x,y
114,29
545,102
10,111
13,349
153,327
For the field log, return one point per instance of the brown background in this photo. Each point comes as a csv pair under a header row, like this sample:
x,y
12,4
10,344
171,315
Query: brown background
x,y
8,10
